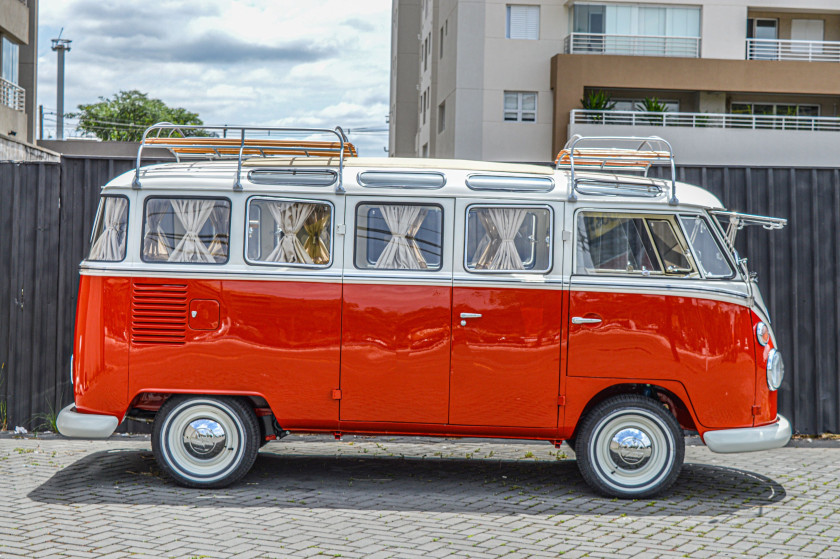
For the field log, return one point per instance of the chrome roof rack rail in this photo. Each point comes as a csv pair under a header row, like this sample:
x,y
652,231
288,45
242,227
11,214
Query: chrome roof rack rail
x,y
217,142
639,157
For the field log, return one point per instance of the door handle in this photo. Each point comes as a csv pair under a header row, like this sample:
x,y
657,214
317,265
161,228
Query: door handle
x,y
582,320
465,315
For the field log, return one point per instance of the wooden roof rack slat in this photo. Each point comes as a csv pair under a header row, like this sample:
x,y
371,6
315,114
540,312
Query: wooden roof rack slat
x,y
238,146
647,151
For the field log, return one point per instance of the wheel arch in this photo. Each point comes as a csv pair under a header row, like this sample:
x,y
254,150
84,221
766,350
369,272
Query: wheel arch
x,y
668,398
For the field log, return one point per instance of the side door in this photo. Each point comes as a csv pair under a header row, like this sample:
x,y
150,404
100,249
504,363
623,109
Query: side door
x,y
396,310
507,308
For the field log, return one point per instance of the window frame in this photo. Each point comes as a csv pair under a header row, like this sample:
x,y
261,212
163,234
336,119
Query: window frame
x,y
544,272
99,215
712,225
287,264
399,270
519,110
164,197
644,215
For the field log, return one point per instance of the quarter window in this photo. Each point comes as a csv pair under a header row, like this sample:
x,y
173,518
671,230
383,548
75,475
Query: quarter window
x,y
289,232
189,230
399,236
631,244
109,234
508,239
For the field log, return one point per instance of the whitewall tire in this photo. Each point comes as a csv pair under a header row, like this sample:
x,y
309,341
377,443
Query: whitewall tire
x,y
205,441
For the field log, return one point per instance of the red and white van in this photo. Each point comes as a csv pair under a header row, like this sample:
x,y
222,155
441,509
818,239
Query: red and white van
x,y
256,288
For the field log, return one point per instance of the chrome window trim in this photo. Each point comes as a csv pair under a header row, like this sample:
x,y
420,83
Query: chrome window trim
x,y
642,212
726,255
646,284
181,197
373,202
255,174
401,179
544,272
99,214
505,183
286,264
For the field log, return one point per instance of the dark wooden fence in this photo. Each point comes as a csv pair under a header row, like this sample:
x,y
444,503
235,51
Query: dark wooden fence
x,y
47,211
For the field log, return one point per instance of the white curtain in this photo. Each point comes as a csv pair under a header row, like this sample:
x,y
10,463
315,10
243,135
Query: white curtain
x,y
290,217
402,251
507,222
110,245
192,214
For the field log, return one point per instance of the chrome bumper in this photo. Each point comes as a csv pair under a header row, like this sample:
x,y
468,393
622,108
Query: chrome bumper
x,y
749,439
77,425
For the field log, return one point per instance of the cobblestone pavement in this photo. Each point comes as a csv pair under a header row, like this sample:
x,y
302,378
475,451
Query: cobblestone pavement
x,y
409,498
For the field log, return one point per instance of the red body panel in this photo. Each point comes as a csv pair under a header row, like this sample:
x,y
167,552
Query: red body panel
x,y
705,345
506,364
406,364
395,354
100,353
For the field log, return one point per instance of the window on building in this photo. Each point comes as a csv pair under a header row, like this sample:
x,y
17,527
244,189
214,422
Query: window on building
x,y
523,22
193,230
775,109
399,236
108,240
11,60
440,47
286,231
425,151
441,117
520,106
658,21
637,104
513,238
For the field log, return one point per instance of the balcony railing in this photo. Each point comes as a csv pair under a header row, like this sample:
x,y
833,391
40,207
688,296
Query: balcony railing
x,y
811,51
705,120
12,95
632,45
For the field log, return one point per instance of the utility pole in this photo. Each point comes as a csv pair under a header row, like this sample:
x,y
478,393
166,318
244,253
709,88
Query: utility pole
x,y
41,122
60,46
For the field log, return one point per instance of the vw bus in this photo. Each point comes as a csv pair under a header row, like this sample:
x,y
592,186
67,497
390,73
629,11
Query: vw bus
x,y
259,287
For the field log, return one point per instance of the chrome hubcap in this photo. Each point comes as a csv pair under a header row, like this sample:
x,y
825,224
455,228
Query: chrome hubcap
x,y
630,448
204,439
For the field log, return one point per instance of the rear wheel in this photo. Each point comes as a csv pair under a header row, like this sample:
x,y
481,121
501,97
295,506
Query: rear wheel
x,y
205,441
630,446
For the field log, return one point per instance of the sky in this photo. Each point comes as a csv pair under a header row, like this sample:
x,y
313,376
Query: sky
x,y
316,63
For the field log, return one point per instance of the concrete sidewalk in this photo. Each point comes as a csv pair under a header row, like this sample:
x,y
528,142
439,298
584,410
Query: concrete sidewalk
x,y
409,497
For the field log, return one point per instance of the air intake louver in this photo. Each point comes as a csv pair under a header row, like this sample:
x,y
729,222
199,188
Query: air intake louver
x,y
159,313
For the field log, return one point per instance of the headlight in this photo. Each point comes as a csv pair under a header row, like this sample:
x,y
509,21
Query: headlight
x,y
762,333
775,370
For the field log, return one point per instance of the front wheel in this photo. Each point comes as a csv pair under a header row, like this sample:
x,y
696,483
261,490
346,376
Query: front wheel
x,y
630,446
205,441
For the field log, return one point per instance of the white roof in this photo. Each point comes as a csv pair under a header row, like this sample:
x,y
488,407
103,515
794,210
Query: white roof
x,y
214,177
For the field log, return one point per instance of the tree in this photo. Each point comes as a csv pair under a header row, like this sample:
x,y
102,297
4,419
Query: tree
x,y
128,114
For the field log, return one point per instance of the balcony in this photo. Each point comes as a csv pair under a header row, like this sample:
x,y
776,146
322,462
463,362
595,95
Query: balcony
x,y
780,49
632,45
12,95
706,120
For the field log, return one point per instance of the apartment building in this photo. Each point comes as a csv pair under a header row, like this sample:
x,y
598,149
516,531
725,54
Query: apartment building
x,y
727,82
18,79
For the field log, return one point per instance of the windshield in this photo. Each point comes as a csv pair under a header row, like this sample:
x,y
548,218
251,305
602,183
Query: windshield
x,y
710,255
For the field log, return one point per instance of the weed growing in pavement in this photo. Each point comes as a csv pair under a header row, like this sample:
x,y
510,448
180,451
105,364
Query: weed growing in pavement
x,y
48,419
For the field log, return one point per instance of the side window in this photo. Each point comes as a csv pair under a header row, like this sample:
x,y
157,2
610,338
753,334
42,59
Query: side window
x,y
508,239
289,232
631,244
711,258
109,233
192,230
399,236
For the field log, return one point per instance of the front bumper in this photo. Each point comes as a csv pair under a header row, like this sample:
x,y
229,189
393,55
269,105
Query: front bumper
x,y
77,425
749,439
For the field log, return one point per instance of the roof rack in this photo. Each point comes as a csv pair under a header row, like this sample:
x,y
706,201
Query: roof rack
x,y
645,151
174,137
